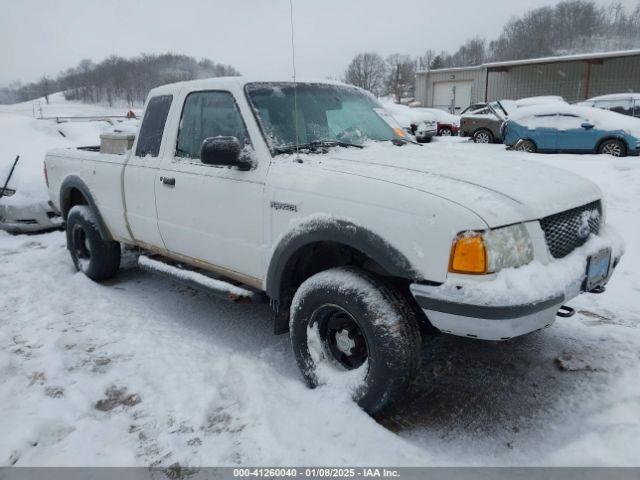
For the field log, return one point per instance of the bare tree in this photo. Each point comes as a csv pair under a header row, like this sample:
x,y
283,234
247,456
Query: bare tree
x,y
45,87
401,76
425,61
120,79
367,70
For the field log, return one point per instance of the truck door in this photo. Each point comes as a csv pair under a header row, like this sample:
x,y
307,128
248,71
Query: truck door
x,y
141,170
211,213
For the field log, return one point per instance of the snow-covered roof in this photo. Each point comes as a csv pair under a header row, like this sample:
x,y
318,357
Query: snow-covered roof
x,y
234,83
529,61
616,96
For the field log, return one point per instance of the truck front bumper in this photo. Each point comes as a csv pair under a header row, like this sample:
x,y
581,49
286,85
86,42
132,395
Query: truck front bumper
x,y
455,308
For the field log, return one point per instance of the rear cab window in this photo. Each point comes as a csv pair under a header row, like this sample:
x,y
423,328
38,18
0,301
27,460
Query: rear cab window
x,y
152,128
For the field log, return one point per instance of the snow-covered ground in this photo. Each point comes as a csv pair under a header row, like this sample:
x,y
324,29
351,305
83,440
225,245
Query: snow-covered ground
x,y
142,371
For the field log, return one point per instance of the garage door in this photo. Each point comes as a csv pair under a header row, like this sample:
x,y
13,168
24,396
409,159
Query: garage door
x,y
452,96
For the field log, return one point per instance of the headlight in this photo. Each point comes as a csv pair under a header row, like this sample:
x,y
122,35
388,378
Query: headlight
x,y
491,251
7,192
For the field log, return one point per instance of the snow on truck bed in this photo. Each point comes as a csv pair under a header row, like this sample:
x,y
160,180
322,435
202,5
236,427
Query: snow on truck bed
x,y
140,370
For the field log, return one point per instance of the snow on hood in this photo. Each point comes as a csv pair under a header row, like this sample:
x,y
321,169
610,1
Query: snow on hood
x,y
601,119
500,189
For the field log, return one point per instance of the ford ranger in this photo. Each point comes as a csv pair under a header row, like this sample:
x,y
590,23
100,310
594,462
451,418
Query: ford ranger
x,y
310,197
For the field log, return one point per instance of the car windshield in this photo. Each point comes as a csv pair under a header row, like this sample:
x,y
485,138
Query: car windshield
x,y
327,115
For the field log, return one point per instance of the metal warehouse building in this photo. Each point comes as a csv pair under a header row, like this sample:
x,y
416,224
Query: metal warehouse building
x,y
574,77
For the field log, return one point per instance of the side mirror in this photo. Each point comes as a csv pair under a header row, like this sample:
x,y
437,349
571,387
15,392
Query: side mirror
x,y
223,151
587,126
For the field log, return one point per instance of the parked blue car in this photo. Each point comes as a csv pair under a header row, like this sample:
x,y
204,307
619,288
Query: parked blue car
x,y
572,129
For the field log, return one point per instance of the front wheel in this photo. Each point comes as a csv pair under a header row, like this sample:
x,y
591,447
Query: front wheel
x,y
525,146
482,136
613,147
446,132
351,331
97,258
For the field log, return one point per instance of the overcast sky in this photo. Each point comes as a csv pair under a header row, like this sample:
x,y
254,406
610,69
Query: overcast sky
x,y
47,36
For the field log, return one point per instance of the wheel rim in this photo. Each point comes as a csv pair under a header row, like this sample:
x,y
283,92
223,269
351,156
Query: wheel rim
x,y
81,246
445,132
612,148
525,147
341,336
482,137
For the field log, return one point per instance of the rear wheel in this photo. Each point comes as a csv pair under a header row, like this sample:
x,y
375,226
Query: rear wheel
x,y
613,147
97,258
482,136
350,330
525,146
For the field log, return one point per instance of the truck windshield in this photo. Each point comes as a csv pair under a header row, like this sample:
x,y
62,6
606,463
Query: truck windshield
x,y
327,115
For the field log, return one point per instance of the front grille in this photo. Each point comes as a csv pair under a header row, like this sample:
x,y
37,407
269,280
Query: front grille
x,y
566,231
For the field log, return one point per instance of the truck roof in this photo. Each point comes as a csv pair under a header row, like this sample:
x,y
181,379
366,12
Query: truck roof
x,y
231,83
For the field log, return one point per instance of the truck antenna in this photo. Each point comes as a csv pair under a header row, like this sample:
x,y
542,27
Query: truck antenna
x,y
295,93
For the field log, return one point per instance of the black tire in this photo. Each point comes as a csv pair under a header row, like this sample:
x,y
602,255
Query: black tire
x,y
525,146
97,258
613,147
423,139
482,135
445,132
377,321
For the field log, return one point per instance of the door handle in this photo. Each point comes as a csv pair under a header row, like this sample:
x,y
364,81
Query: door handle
x,y
169,181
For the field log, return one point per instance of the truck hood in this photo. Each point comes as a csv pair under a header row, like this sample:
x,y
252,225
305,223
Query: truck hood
x,y
496,185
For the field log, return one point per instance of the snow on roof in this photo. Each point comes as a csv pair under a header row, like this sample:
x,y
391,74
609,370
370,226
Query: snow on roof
x,y
540,100
559,58
235,83
601,119
616,96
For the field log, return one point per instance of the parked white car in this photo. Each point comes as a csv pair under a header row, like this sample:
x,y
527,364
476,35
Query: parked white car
x,y
624,103
361,242
420,122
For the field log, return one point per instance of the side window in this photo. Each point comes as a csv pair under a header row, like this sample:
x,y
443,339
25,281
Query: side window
x,y
540,121
620,106
208,114
152,128
569,122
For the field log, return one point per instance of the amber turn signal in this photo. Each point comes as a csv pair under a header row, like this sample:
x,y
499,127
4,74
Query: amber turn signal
x,y
468,255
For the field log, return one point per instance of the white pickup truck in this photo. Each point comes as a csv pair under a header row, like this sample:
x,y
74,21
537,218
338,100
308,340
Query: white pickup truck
x,y
309,196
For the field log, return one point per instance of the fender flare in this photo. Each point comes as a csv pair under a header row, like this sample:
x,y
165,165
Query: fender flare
x,y
68,184
335,230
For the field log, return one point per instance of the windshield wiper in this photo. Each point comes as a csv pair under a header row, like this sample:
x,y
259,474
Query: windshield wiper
x,y
314,145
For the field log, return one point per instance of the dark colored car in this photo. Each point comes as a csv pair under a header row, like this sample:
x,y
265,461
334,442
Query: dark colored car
x,y
484,124
572,129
